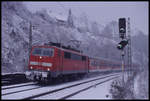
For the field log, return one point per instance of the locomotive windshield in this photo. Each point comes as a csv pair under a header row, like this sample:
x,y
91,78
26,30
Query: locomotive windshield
x,y
43,51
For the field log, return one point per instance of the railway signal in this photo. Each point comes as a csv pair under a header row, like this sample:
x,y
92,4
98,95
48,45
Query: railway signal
x,y
122,27
122,44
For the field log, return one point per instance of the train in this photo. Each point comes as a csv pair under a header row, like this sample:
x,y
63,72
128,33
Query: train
x,y
54,60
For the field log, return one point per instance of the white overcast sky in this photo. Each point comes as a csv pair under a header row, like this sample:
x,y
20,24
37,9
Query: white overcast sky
x,y
102,12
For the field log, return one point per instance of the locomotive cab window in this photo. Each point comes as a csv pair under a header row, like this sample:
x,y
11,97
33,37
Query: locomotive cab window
x,y
37,51
67,55
48,52
43,51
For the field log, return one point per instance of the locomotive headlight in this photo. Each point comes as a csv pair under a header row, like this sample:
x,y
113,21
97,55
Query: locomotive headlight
x,y
31,67
48,69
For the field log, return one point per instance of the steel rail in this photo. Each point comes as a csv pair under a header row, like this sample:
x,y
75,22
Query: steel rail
x,y
17,86
20,91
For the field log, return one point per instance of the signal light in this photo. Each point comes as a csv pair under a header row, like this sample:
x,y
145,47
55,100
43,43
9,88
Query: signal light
x,y
122,44
122,27
119,46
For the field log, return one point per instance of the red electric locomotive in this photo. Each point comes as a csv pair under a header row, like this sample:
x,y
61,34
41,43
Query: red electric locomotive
x,y
51,61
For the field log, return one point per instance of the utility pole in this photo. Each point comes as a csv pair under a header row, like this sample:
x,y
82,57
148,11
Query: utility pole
x,y
129,48
130,72
30,39
113,31
122,58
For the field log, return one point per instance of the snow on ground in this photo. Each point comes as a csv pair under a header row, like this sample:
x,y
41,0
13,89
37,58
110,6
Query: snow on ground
x,y
50,88
18,89
97,92
141,86
16,85
12,73
66,92
136,90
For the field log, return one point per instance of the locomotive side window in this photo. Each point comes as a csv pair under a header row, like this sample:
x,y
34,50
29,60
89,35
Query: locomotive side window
x,y
67,55
75,57
83,58
59,53
92,62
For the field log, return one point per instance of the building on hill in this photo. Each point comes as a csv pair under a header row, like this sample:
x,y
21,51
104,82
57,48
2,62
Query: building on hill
x,y
62,19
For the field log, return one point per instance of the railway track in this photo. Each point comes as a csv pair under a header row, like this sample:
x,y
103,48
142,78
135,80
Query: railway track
x,y
17,85
64,93
19,88
79,91
56,92
11,79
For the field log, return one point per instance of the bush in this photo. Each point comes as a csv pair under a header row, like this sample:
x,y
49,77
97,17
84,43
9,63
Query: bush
x,y
120,91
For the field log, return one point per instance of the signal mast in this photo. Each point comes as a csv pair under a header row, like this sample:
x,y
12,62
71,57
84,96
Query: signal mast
x,y
121,45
